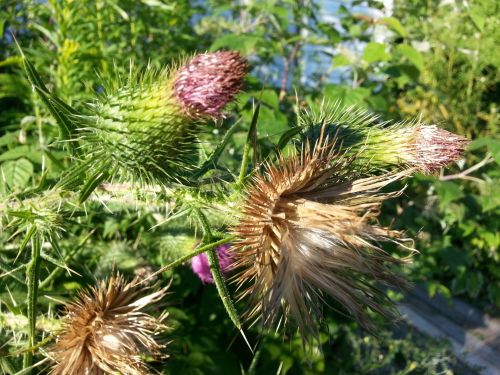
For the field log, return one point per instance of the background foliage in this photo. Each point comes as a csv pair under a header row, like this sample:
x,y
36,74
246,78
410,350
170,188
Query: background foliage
x,y
422,58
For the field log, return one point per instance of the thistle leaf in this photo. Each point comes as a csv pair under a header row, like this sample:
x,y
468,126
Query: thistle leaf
x,y
62,112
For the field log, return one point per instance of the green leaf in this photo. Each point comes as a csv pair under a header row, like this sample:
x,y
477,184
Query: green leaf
x,y
17,173
411,54
375,52
93,181
490,196
63,113
12,87
494,293
347,95
246,44
474,283
448,192
341,60
477,18
394,24
455,258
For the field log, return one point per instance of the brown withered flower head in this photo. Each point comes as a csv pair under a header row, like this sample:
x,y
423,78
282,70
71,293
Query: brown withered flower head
x,y
209,81
308,230
107,330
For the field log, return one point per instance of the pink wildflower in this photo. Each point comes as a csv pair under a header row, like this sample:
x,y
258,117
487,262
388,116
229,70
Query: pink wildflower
x,y
201,267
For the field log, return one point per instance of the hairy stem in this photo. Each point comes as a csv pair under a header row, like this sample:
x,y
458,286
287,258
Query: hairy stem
x,y
32,276
213,260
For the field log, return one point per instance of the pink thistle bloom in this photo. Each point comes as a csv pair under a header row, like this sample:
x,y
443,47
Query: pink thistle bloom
x,y
201,267
435,148
209,81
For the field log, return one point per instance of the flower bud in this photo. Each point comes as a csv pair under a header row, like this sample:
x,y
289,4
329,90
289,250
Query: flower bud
x,y
209,81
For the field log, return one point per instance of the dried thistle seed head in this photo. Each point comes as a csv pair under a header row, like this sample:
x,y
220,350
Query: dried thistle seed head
x,y
385,145
107,330
308,230
209,81
201,266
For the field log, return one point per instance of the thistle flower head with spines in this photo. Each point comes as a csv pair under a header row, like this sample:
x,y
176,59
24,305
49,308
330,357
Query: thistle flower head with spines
x,y
385,145
308,230
147,125
107,330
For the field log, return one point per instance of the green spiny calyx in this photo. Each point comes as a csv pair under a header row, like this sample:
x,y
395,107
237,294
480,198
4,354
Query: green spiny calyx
x,y
141,129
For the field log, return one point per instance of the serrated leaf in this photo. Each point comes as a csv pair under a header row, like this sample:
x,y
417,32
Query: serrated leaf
x,y
92,183
62,112
17,173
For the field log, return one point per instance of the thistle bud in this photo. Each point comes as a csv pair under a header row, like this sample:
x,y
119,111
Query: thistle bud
x,y
385,145
108,331
148,127
201,266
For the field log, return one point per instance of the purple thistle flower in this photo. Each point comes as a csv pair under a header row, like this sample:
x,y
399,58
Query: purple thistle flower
x,y
209,81
201,267
435,148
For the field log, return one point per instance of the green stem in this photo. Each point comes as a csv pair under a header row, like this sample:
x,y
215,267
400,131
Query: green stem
x,y
246,151
32,276
215,269
244,164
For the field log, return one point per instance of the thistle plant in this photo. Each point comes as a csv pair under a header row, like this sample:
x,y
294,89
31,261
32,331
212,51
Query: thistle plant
x,y
303,225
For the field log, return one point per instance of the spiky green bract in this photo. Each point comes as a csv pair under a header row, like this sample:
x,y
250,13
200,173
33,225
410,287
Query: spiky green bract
x,y
384,145
140,130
